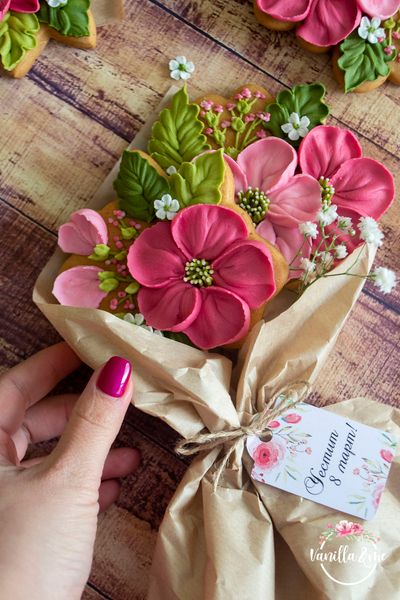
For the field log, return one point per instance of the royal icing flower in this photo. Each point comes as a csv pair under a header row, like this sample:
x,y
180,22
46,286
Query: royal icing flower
x,y
386,455
276,199
22,6
268,455
384,279
181,68
370,30
296,127
326,22
166,208
57,3
358,187
79,286
201,275
83,232
139,320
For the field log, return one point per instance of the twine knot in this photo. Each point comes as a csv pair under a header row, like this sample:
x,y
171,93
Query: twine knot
x,y
259,426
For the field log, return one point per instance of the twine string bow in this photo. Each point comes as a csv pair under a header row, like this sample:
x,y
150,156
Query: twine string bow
x,y
230,439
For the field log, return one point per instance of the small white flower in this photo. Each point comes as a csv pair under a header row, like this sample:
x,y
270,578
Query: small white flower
x,y
56,3
370,232
384,279
296,127
309,229
340,251
307,265
171,170
370,30
138,319
326,261
327,215
345,224
166,208
181,68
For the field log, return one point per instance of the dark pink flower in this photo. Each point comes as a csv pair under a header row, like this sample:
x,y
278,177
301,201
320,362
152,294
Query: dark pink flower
x,y
79,286
362,186
273,424
83,232
292,418
268,455
23,6
326,22
386,455
201,275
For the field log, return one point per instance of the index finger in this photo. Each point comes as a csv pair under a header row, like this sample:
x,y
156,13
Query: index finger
x,y
23,385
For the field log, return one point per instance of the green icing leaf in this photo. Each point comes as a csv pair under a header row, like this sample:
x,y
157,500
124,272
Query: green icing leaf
x,y
199,182
177,136
305,100
362,61
138,184
71,19
17,36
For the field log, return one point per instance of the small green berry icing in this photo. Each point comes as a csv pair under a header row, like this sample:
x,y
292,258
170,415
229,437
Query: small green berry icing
x,y
177,136
306,101
17,36
327,190
68,19
255,203
199,272
362,61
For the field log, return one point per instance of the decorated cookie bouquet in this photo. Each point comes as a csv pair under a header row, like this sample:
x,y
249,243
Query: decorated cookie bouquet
x,y
26,26
364,35
222,257
225,209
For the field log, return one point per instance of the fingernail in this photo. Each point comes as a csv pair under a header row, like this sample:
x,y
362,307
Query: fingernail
x,y
114,376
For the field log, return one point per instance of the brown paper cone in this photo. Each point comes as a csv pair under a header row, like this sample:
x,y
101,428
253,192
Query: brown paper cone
x,y
220,545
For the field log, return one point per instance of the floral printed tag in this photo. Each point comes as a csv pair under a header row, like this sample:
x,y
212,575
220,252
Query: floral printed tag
x,y
326,458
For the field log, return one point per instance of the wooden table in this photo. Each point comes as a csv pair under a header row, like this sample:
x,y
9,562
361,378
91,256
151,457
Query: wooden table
x,y
62,129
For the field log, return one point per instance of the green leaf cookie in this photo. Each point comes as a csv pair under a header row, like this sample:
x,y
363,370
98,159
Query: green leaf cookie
x,y
71,19
138,184
17,36
305,101
199,182
177,135
362,61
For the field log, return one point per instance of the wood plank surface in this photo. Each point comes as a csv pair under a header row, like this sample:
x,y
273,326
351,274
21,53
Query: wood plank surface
x,y
64,126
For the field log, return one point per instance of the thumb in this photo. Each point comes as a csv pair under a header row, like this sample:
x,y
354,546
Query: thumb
x,y
95,421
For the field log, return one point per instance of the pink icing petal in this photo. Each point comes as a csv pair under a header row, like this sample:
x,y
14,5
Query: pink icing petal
x,y
329,22
25,6
365,186
325,148
285,10
268,163
154,260
288,241
171,308
79,286
247,270
4,7
223,319
379,8
238,175
85,229
206,230
296,202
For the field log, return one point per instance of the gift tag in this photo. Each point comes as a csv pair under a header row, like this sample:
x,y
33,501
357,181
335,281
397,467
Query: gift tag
x,y
324,457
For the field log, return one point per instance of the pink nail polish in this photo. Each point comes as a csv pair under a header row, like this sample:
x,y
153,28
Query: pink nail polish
x,y
114,376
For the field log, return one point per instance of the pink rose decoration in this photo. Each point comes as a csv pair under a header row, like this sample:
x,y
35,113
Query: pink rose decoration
x,y
386,455
200,274
326,22
377,494
270,166
362,186
268,455
83,232
23,6
79,286
292,418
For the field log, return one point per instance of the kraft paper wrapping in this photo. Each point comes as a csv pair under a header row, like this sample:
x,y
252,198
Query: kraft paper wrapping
x,y
107,11
245,540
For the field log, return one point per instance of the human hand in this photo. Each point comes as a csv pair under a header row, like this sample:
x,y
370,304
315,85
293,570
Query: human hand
x,y
49,506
